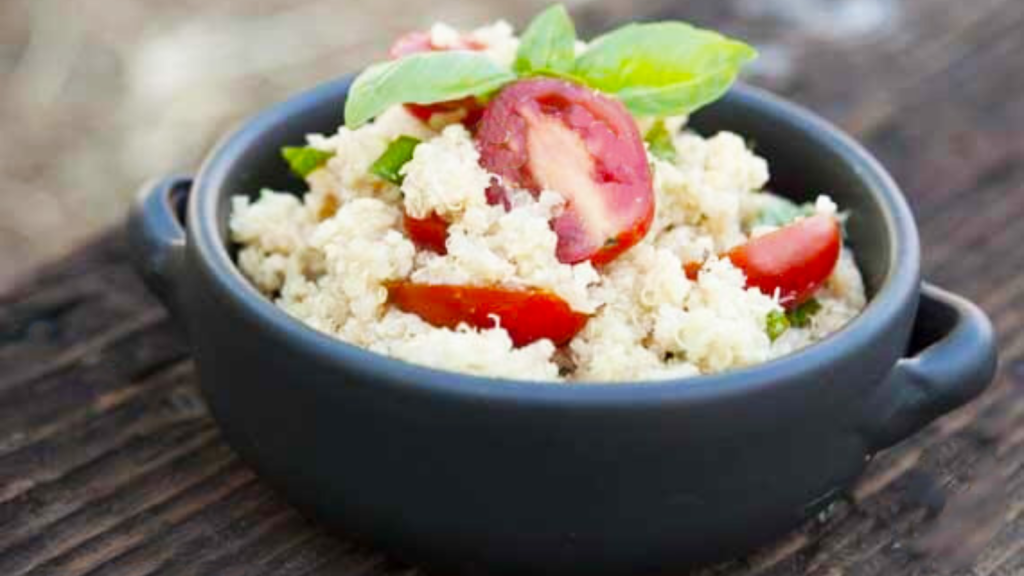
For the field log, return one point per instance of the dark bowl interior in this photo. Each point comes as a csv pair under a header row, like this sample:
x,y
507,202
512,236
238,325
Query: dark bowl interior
x,y
803,159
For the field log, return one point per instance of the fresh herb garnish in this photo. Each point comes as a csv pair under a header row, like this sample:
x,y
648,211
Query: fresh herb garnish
x,y
389,165
776,324
305,159
655,69
801,315
779,211
423,78
663,68
659,142
548,45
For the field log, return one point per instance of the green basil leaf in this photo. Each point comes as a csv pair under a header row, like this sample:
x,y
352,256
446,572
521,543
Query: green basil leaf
x,y
389,165
305,159
663,68
674,99
423,78
659,142
776,324
548,44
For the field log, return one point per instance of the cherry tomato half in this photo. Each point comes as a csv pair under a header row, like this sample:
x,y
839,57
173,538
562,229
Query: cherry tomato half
x,y
527,314
795,260
544,133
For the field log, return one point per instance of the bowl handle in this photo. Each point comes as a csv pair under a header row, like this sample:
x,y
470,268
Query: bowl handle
x,y
156,236
953,360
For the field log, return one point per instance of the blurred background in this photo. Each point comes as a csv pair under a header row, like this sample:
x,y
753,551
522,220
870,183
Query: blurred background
x,y
98,95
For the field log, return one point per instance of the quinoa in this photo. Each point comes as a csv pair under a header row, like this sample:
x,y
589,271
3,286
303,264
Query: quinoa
x,y
326,256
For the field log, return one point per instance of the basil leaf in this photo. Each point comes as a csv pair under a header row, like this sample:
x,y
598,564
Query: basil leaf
x,y
679,98
304,159
663,68
389,165
422,78
659,142
776,324
779,211
801,315
548,44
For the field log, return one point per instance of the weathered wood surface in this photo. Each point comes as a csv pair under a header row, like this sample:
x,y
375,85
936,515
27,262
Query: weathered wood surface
x,y
109,463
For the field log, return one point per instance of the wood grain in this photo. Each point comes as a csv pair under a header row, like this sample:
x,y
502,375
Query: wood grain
x,y
110,465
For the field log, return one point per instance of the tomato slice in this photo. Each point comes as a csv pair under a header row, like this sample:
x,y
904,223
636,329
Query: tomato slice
x,y
428,233
545,133
420,41
527,314
795,260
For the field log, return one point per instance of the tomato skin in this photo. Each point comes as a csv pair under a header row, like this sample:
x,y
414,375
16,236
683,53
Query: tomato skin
x,y
545,133
796,260
692,269
470,105
428,233
411,43
527,314
420,41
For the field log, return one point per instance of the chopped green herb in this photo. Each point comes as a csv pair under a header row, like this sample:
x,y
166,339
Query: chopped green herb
x,y
801,315
659,141
779,211
304,159
389,165
776,324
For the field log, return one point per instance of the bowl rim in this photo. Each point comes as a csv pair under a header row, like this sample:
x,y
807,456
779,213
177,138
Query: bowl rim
x,y
899,288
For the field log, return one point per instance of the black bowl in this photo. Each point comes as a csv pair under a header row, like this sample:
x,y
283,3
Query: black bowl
x,y
477,474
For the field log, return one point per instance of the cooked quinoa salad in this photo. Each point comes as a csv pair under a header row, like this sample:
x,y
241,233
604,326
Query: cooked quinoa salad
x,y
544,220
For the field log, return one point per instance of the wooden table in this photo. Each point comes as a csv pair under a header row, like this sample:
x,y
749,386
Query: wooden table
x,y
109,463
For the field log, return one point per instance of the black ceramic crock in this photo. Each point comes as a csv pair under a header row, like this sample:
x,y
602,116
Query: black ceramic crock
x,y
490,476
